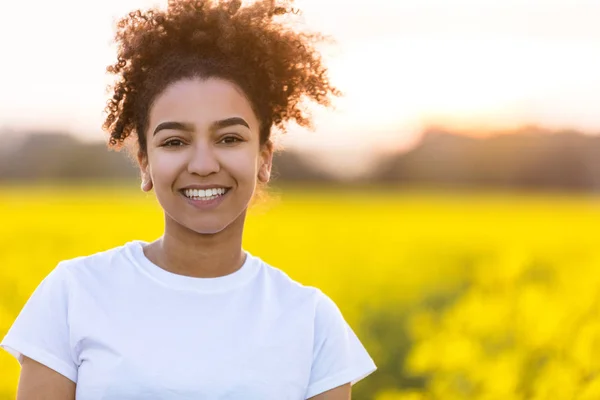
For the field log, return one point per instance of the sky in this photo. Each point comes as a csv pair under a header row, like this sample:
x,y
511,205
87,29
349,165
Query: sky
x,y
402,64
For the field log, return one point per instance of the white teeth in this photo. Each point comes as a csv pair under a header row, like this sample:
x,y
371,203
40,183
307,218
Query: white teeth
x,y
208,194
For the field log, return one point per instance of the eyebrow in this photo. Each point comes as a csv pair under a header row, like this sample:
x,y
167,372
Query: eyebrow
x,y
223,123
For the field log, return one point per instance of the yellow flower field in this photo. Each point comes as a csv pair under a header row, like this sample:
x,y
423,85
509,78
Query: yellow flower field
x,y
456,296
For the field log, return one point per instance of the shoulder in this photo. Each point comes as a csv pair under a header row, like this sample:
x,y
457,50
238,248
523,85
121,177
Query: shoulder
x,y
279,283
101,263
282,280
325,312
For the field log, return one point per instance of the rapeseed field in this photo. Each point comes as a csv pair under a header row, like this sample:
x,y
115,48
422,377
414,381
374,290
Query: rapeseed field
x,y
455,295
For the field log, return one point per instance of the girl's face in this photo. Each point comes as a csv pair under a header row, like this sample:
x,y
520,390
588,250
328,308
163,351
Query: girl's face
x,y
203,153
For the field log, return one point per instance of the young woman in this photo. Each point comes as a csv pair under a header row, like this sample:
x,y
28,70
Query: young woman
x,y
193,315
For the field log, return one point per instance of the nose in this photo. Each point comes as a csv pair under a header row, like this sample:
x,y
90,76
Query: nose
x,y
203,160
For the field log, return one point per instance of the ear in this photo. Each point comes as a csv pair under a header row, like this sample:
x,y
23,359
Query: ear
x,y
145,172
266,161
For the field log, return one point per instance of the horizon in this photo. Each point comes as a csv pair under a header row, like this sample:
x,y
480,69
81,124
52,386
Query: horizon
x,y
467,65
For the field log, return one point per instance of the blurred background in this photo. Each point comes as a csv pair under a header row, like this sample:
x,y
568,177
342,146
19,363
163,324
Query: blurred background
x,y
450,197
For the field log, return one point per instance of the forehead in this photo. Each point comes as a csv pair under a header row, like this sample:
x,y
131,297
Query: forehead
x,y
201,101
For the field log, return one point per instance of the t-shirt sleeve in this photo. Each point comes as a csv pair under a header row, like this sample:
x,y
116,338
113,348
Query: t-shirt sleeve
x,y
338,355
41,330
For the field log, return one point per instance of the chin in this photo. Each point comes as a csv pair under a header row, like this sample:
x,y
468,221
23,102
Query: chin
x,y
208,230
208,226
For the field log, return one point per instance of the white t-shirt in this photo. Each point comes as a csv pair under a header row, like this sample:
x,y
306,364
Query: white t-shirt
x,y
123,328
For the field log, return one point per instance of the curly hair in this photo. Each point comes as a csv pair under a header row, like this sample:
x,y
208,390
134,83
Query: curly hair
x,y
274,65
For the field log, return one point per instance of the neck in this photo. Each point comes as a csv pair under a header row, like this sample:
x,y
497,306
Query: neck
x,y
186,252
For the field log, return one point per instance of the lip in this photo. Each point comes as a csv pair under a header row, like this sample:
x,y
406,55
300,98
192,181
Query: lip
x,y
205,204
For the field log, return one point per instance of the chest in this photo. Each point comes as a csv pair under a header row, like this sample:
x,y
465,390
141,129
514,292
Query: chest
x,y
208,350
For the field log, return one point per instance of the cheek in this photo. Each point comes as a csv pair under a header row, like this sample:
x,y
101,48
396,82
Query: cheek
x,y
164,167
241,165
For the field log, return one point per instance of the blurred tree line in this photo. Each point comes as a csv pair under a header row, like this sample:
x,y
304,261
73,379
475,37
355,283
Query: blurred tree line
x,y
528,158
59,156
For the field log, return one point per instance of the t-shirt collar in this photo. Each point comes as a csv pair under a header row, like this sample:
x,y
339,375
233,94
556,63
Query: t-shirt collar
x,y
182,282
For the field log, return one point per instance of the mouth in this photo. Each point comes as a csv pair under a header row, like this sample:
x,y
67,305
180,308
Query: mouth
x,y
204,194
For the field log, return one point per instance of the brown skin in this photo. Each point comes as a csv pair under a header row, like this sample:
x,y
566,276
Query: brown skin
x,y
231,156
339,393
38,382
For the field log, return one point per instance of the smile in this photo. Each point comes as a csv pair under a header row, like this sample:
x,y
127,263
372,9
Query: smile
x,y
204,194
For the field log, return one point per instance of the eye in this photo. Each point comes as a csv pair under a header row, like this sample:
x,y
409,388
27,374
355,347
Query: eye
x,y
230,140
173,143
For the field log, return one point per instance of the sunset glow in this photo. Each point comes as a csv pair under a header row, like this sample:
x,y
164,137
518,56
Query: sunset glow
x,y
401,65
